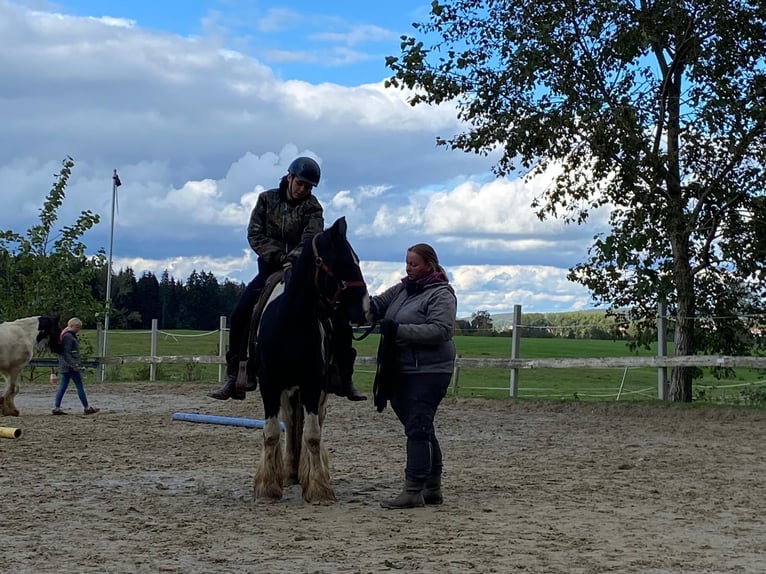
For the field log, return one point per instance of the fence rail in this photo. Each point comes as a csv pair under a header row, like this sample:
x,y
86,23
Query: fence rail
x,y
473,363
661,361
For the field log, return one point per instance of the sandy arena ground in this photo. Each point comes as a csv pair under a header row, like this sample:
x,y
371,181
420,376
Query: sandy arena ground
x,y
529,487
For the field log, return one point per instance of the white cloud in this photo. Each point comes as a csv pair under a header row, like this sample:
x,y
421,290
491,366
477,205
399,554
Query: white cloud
x,y
356,35
197,130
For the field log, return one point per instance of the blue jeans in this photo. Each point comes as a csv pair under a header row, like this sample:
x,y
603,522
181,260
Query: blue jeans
x,y
76,378
415,400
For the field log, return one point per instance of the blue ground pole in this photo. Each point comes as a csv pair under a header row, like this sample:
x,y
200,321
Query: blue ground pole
x,y
219,420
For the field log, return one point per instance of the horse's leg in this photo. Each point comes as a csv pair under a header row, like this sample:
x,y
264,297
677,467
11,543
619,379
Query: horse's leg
x,y
7,406
292,416
7,380
314,466
269,475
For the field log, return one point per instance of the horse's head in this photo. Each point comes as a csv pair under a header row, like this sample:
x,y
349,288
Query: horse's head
x,y
48,331
337,274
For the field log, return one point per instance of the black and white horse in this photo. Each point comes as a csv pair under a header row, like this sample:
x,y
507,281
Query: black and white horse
x,y
18,341
290,362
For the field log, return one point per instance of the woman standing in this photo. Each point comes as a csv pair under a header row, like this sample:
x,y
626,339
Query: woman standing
x,y
69,367
418,317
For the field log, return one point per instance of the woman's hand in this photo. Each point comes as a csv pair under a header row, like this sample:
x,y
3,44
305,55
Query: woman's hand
x,y
388,327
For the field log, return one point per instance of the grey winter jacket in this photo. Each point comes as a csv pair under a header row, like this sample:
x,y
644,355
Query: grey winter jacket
x,y
426,322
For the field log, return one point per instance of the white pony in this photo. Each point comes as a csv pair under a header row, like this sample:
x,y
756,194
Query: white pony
x,y
18,341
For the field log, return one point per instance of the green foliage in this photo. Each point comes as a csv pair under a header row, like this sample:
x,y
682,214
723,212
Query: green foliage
x,y
481,322
656,109
47,270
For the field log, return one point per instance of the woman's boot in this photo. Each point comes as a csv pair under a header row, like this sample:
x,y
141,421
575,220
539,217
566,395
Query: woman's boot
x,y
410,497
432,490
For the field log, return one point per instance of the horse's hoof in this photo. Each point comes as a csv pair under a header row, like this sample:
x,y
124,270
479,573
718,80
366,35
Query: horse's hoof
x,y
319,495
272,493
267,498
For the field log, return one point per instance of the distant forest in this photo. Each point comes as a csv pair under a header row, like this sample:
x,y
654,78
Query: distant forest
x,y
200,301
591,324
197,303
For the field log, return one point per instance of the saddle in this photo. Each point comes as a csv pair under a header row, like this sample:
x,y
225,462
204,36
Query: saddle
x,y
273,280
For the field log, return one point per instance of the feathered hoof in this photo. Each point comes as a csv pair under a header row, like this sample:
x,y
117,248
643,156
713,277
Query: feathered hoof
x,y
263,492
319,496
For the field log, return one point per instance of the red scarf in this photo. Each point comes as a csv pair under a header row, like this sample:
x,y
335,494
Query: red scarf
x,y
65,331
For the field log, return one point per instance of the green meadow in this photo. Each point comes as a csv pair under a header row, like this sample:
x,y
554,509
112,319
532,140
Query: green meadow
x,y
638,384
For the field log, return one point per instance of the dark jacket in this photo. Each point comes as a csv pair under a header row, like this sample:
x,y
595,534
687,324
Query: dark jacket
x,y
69,356
278,227
426,322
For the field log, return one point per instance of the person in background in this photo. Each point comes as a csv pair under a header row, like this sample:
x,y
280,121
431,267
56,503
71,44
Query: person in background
x,y
69,367
282,219
417,318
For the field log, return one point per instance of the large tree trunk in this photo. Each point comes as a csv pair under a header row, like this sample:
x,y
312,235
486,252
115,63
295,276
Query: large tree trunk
x,y
681,377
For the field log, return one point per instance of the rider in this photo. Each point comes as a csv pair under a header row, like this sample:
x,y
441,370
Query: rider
x,y
279,223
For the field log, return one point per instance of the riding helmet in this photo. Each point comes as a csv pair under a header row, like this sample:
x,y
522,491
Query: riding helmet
x,y
305,169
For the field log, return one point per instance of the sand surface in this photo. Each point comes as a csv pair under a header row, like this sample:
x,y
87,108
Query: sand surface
x,y
529,487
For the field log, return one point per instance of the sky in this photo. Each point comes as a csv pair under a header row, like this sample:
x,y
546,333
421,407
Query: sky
x,y
200,105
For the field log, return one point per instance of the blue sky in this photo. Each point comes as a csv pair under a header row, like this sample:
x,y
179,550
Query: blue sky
x,y
202,105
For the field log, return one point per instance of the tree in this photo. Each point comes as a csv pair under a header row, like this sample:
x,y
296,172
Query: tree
x,y
200,307
654,108
481,321
171,294
47,271
148,299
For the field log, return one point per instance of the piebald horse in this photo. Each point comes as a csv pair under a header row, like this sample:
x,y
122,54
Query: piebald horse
x,y
18,341
289,362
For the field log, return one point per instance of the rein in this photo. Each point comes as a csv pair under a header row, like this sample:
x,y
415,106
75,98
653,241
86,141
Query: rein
x,y
367,331
340,284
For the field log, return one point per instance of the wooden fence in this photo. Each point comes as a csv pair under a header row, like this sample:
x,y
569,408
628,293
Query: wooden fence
x,y
515,363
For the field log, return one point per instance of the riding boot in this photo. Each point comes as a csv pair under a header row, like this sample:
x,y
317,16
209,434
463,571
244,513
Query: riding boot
x,y
432,490
346,371
410,497
349,391
229,388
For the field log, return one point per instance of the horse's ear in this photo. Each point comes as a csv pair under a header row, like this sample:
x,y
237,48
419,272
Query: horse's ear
x,y
339,228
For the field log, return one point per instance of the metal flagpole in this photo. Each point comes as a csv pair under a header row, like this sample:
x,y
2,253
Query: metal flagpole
x,y
115,184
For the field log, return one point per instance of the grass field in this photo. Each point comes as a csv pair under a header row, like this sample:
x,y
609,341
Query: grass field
x,y
749,386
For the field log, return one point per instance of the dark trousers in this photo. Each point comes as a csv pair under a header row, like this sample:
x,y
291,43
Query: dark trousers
x,y
415,400
239,327
342,349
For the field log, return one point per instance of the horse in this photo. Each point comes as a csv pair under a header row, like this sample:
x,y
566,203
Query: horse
x,y
18,341
288,360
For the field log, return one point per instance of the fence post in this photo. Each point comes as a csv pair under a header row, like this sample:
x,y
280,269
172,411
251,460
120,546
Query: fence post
x,y
662,351
101,369
153,352
455,376
222,348
515,340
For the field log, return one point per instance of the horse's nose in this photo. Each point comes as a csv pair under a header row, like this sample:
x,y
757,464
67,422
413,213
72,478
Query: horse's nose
x,y
362,315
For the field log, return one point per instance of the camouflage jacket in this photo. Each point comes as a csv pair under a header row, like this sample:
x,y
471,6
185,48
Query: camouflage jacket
x,y
278,227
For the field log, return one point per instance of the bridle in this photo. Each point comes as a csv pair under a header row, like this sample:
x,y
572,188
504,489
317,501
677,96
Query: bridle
x,y
340,284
